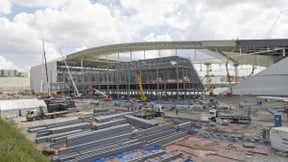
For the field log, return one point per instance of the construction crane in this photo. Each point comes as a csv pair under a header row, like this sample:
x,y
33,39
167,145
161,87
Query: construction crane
x,y
142,98
104,96
45,60
96,91
70,75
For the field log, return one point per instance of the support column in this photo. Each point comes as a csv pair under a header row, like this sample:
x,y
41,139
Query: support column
x,y
118,77
157,77
129,75
208,79
236,73
177,73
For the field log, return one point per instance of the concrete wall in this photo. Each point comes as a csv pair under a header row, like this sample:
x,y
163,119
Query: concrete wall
x,y
14,84
35,76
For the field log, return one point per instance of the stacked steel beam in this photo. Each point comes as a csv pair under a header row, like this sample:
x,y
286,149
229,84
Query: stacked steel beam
x,y
184,126
110,123
98,143
113,116
98,134
165,139
140,122
111,134
47,126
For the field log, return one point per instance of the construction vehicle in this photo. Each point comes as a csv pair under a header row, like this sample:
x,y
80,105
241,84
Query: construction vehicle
x,y
37,115
55,108
234,118
71,78
149,111
142,98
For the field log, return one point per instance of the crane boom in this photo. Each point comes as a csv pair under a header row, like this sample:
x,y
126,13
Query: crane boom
x,y
69,73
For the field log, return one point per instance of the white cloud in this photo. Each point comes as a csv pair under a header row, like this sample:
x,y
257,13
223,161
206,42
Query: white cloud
x,y
76,24
22,43
5,7
80,23
153,37
149,13
6,64
222,20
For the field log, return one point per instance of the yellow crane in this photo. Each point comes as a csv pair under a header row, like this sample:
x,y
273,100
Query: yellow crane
x,y
142,98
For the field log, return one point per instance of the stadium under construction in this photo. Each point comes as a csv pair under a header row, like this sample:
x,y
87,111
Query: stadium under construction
x,y
112,69
244,123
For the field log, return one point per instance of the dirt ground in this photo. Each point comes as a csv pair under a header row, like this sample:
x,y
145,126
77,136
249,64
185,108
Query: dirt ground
x,y
201,149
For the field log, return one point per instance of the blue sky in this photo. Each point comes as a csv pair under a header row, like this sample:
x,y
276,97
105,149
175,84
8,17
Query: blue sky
x,y
72,25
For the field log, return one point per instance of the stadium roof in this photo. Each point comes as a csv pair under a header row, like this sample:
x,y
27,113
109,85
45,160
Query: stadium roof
x,y
263,52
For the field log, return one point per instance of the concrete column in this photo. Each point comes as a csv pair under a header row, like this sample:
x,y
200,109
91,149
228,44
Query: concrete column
x,y
129,75
208,79
118,60
177,73
236,73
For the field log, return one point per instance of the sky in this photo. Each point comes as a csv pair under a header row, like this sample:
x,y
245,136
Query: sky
x,y
72,25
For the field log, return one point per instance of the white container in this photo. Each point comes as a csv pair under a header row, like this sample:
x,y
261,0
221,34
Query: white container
x,y
279,138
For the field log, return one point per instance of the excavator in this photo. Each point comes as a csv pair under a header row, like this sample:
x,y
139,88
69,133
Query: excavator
x,y
142,98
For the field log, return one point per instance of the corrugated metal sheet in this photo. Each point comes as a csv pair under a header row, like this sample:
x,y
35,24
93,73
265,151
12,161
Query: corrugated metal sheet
x,y
15,108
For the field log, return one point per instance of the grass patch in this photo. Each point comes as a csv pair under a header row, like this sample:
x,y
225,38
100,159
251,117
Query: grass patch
x,y
14,146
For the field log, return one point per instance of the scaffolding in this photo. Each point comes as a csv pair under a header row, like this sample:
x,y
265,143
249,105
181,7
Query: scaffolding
x,y
164,77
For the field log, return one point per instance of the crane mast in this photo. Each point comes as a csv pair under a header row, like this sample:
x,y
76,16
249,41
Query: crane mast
x,y
142,95
44,55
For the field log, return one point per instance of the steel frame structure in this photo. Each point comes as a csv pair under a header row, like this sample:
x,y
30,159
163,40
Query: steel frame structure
x,y
161,77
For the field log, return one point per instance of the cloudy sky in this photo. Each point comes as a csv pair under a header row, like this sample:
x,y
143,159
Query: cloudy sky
x,y
72,25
